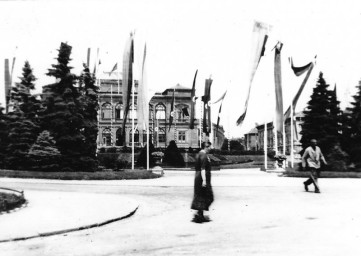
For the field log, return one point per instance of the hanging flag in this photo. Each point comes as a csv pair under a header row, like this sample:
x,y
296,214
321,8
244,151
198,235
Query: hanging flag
x,y
172,112
295,99
185,112
12,71
142,99
193,102
88,58
219,114
278,88
260,31
96,63
7,83
207,108
113,69
300,70
221,98
128,58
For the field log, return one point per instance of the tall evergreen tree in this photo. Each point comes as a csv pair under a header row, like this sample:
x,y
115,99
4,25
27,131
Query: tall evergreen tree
x,y
322,118
62,116
352,130
23,120
89,109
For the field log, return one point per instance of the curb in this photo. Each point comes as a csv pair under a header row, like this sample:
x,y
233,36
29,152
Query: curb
x,y
59,232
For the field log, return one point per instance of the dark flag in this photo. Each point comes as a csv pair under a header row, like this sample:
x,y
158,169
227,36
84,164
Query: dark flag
x,y
220,109
193,102
206,107
298,73
278,88
113,69
172,113
185,112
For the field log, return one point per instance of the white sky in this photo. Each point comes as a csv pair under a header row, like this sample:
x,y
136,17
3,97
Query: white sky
x,y
182,36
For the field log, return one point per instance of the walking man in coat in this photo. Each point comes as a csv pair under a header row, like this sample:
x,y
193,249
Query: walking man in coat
x,y
311,160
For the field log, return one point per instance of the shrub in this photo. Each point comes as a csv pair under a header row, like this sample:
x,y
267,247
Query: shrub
x,y
337,159
173,156
112,150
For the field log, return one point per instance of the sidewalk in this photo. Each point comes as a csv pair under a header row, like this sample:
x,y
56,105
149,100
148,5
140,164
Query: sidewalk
x,y
49,212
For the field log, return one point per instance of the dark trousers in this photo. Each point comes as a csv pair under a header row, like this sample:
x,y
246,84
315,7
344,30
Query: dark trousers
x,y
314,175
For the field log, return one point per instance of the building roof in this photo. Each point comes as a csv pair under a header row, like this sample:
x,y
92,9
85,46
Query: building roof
x,y
178,88
253,131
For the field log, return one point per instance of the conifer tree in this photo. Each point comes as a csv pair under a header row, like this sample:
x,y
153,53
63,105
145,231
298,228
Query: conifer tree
x,y
44,155
61,115
23,120
89,106
322,118
352,129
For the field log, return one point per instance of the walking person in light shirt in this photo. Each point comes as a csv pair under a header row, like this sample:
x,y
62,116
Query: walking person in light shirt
x,y
311,160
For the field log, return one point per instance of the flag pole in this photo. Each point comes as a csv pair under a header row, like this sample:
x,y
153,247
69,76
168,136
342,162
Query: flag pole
x,y
292,157
133,120
265,144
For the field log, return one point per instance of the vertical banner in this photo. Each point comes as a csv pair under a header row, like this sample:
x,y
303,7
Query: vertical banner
x,y
7,84
128,58
260,31
220,109
88,58
278,89
193,102
142,99
207,108
172,112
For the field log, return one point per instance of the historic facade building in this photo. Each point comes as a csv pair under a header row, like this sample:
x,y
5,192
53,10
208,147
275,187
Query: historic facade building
x,y
160,132
256,136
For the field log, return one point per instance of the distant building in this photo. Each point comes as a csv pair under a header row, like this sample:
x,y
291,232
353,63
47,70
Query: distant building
x,y
111,119
271,135
251,140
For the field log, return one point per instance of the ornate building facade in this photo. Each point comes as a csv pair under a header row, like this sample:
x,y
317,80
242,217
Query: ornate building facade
x,y
110,119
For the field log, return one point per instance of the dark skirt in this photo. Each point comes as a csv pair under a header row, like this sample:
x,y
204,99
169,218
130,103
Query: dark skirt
x,y
203,196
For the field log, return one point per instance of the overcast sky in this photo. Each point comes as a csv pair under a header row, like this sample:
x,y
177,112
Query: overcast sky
x,y
183,36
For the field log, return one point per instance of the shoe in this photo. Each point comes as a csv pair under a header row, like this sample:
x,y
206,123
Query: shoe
x,y
317,191
198,219
206,219
306,186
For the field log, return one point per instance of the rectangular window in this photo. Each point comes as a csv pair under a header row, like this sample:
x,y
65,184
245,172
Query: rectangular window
x,y
181,136
161,137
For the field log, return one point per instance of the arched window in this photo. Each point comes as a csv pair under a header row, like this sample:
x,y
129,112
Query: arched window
x,y
119,138
131,114
107,137
118,111
106,111
161,135
160,111
136,137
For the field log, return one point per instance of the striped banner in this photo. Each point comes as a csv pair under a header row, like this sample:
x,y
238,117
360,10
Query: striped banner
x,y
260,31
128,58
278,88
193,102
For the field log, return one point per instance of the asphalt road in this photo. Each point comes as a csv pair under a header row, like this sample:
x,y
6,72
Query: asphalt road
x,y
254,213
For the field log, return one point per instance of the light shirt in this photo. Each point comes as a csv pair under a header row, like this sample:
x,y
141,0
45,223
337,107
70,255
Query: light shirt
x,y
313,157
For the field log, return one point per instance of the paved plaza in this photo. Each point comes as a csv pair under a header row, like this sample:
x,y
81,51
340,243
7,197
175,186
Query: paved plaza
x,y
254,213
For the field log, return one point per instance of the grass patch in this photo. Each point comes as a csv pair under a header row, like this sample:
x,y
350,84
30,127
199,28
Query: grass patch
x,y
9,201
103,175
